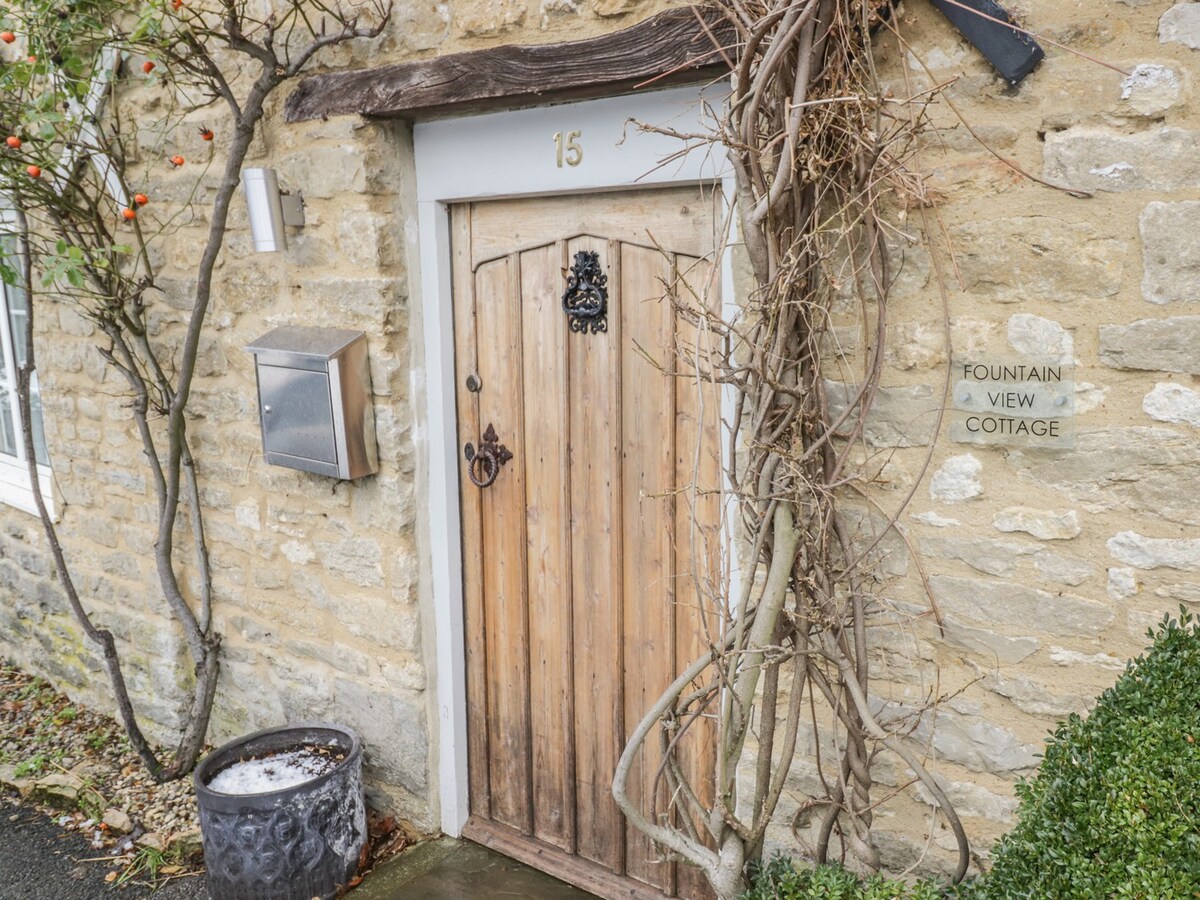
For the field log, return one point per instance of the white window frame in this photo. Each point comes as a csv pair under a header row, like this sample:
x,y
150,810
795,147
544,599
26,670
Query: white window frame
x,y
16,488
493,156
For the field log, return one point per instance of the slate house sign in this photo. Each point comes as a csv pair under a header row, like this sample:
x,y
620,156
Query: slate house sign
x,y
1013,402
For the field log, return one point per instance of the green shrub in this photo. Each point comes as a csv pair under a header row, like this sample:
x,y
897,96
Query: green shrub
x,y
1114,810
782,880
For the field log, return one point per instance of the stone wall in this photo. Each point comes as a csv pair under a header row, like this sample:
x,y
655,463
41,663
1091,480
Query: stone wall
x,y
321,587
1047,566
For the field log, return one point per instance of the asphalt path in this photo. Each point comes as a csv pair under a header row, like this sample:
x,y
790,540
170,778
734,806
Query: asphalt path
x,y
39,861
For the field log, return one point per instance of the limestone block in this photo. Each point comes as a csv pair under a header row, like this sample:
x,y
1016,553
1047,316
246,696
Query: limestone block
x,y
1139,470
363,238
1171,252
1143,552
324,171
970,799
977,745
614,7
485,18
421,24
393,726
71,322
1122,582
1028,258
246,515
1034,698
1163,345
10,779
1151,89
369,297
344,659
1016,606
409,676
1062,569
1041,523
118,821
1096,159
1170,402
1186,592
358,560
957,479
936,521
987,555
297,553
59,789
899,417
991,645
1180,25
1043,338
922,345
1063,657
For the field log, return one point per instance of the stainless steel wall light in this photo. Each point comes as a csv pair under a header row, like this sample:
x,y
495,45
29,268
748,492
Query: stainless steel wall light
x,y
269,209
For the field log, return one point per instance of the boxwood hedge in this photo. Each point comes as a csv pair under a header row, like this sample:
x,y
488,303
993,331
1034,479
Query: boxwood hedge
x,y
1114,809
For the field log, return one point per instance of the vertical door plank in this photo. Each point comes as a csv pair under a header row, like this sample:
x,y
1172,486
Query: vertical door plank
x,y
697,523
648,476
466,362
547,511
596,576
498,329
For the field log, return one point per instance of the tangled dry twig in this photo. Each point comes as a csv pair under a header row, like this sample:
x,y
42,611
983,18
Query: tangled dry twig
x,y
821,157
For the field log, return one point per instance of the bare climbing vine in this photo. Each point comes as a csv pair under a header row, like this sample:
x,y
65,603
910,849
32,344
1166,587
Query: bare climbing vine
x,y
79,171
823,161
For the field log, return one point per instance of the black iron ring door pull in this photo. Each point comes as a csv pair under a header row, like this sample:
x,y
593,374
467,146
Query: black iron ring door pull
x,y
586,299
483,465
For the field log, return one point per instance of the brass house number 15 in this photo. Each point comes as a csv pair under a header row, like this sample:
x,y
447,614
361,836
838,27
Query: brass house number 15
x,y
567,148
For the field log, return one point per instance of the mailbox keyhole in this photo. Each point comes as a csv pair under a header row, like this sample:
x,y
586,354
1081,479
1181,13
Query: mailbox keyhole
x,y
474,385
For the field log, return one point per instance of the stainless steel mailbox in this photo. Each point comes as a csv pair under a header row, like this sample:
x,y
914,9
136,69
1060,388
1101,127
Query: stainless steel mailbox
x,y
314,400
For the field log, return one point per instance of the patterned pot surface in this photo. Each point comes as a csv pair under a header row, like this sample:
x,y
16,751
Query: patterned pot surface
x,y
295,843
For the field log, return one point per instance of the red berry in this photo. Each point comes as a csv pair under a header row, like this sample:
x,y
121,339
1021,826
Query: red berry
x,y
175,4
129,213
34,171
141,199
13,141
7,36
148,67
31,58
176,161
206,134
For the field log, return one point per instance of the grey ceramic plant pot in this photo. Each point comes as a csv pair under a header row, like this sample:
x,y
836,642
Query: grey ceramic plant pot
x,y
296,843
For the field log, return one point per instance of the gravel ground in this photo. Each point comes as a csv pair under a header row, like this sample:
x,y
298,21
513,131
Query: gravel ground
x,y
39,861
103,793
71,789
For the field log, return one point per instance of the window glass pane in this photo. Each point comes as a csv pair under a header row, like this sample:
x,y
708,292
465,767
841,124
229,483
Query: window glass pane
x,y
14,299
39,431
16,323
17,303
8,434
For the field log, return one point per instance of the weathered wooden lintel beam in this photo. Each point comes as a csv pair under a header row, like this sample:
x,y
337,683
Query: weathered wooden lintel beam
x,y
672,47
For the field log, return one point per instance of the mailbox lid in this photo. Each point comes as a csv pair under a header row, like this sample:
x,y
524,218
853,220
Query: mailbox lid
x,y
297,413
300,346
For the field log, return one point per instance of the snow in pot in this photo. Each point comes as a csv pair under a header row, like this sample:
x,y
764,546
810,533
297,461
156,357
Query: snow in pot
x,y
275,771
282,813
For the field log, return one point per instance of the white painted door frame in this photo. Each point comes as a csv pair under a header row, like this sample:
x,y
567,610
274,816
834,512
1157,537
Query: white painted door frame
x,y
494,156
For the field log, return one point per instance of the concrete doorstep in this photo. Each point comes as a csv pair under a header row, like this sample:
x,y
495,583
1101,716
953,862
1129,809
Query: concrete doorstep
x,y
447,869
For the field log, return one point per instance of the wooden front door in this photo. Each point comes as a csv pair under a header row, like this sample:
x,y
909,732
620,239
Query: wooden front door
x,y
582,560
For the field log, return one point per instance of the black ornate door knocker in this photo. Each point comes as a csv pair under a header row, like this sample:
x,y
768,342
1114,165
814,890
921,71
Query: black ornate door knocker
x,y
586,299
483,465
